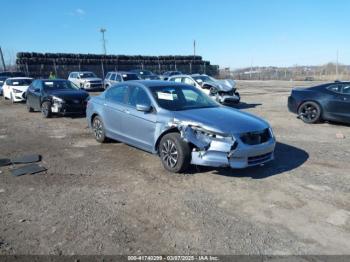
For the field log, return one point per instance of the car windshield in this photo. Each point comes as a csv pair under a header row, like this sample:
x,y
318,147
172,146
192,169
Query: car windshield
x,y
145,73
87,75
58,84
204,78
127,77
19,82
177,98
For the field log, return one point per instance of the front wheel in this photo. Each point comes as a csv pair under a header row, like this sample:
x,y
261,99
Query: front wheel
x,y
46,109
98,129
174,153
310,112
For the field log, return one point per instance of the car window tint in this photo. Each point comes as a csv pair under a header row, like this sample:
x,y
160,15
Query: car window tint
x,y
346,89
113,77
190,95
335,88
116,94
138,96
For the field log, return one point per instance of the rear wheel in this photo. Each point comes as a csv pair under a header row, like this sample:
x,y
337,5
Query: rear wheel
x,y
98,129
174,153
310,112
46,109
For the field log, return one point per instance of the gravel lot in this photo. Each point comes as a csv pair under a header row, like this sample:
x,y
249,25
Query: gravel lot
x,y
115,199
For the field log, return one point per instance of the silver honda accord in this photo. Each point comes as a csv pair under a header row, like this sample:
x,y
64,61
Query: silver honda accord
x,y
181,124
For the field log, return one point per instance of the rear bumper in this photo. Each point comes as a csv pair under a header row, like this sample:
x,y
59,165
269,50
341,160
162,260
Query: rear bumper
x,y
292,105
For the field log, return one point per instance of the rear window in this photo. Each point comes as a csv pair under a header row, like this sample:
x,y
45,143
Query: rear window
x,y
127,77
19,82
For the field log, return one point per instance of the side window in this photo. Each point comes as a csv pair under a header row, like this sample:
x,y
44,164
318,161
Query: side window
x,y
108,75
116,94
335,88
190,95
346,89
177,79
118,78
139,96
188,81
113,77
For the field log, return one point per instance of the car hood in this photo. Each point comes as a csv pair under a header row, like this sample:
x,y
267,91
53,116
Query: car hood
x,y
90,79
223,85
222,119
21,88
69,94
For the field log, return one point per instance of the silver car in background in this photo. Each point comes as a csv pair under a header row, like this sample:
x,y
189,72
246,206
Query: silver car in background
x,y
222,91
181,124
118,77
85,80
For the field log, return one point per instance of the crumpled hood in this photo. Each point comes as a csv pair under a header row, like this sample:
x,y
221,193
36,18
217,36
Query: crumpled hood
x,y
223,85
69,94
222,120
90,79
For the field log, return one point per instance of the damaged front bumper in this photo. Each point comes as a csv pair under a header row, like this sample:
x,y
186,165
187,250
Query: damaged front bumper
x,y
66,108
226,151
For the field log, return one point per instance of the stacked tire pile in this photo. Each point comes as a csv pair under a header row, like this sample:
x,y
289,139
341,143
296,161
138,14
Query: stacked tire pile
x,y
40,65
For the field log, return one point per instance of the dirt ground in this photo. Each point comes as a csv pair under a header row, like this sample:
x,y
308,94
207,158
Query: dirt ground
x,y
115,199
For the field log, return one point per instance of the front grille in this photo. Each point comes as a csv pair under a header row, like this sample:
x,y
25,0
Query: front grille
x,y
228,93
255,160
256,138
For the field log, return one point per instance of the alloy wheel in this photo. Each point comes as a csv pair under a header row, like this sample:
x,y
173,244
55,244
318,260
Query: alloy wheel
x,y
98,128
309,112
169,153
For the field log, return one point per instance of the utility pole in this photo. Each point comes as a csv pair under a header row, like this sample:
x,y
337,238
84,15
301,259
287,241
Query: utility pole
x,y
194,48
336,66
103,30
251,69
2,59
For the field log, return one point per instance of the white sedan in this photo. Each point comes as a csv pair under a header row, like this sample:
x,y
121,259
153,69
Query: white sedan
x,y
15,88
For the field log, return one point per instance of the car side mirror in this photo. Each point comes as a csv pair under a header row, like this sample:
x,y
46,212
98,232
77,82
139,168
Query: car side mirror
x,y
143,108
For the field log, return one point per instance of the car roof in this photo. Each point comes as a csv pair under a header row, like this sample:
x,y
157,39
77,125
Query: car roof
x,y
18,78
122,72
155,83
182,75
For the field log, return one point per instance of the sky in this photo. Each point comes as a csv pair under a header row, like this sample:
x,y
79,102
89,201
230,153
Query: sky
x,y
229,33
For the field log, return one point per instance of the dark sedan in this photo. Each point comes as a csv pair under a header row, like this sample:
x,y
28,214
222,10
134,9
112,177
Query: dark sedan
x,y
323,102
145,74
57,96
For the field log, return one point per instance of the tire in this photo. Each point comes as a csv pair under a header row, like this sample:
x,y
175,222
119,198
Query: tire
x,y
46,109
99,129
310,112
174,153
29,108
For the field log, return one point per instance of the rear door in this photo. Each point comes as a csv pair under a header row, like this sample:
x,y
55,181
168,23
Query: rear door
x,y
339,102
115,102
137,126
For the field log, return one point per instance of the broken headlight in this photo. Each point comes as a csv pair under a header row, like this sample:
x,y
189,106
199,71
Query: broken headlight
x,y
208,136
57,100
